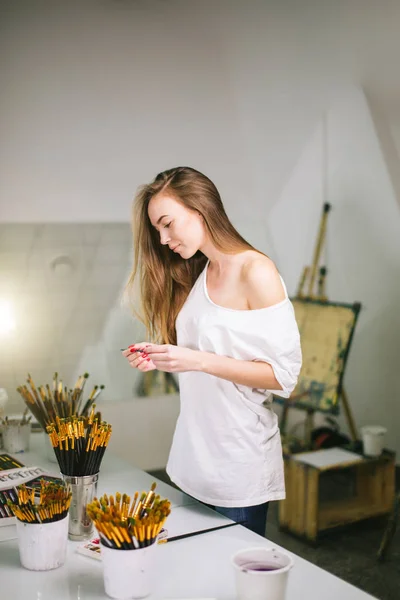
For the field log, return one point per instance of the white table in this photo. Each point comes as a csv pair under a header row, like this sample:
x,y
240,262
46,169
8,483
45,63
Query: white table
x,y
196,567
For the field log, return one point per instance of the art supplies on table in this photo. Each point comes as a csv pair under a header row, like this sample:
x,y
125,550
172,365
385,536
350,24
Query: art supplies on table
x,y
10,479
128,532
17,476
6,515
54,500
92,549
8,462
127,525
183,536
42,525
46,402
79,443
16,433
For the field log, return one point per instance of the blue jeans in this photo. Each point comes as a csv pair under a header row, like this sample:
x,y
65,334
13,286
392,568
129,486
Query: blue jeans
x,y
251,517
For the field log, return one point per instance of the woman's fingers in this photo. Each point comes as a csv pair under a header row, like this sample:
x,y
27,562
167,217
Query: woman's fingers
x,y
140,361
145,366
138,357
139,347
134,361
134,353
157,348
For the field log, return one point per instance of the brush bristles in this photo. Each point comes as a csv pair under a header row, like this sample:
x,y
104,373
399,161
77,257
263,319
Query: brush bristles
x,y
119,529
54,503
79,443
46,402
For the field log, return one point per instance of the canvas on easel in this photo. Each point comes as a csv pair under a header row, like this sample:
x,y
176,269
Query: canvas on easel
x,y
326,333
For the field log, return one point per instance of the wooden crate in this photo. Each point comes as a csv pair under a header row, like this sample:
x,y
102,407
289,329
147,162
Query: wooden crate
x,y
321,497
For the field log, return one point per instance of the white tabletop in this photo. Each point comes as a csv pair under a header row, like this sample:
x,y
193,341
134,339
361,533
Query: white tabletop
x,y
196,567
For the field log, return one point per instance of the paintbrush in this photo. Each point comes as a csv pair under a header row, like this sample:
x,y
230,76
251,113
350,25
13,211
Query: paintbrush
x,y
193,533
135,350
47,404
122,524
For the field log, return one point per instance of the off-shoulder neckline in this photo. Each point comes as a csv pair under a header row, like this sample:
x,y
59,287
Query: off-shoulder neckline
x,y
247,310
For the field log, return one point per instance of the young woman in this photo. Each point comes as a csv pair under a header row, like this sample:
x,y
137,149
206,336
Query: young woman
x,y
220,313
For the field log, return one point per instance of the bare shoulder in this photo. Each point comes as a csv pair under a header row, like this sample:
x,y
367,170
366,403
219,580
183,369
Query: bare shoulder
x,y
262,282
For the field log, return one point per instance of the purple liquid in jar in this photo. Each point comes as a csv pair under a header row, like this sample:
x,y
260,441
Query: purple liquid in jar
x,y
259,566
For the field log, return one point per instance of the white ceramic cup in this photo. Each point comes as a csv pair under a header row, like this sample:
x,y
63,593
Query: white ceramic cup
x,y
261,573
42,546
128,573
373,439
16,436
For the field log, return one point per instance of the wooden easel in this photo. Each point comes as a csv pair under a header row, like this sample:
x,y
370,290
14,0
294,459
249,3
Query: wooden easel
x,y
390,530
309,275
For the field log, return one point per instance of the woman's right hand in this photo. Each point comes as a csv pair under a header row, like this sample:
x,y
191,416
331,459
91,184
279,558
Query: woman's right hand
x,y
139,360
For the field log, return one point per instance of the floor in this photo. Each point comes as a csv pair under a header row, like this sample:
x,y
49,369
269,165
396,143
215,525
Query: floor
x,y
349,554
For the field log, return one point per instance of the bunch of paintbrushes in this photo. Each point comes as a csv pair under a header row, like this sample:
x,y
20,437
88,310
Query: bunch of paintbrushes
x,y
79,443
126,525
53,504
48,402
9,462
24,421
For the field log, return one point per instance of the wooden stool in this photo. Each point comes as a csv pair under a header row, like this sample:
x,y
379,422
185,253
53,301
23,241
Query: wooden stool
x,y
334,487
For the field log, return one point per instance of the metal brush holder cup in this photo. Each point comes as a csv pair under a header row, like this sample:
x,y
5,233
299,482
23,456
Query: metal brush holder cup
x,y
83,489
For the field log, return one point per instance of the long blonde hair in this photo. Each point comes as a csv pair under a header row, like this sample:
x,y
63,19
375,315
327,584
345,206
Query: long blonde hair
x,y
166,278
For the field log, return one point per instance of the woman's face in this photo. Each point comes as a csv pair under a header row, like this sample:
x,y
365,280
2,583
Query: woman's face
x,y
179,228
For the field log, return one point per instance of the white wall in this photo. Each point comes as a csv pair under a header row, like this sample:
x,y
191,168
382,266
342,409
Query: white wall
x,y
142,430
362,250
99,96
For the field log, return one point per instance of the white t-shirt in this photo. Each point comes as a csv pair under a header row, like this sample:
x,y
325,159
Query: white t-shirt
x,y
226,449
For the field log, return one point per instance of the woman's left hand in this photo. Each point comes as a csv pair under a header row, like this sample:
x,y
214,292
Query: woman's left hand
x,y
173,359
